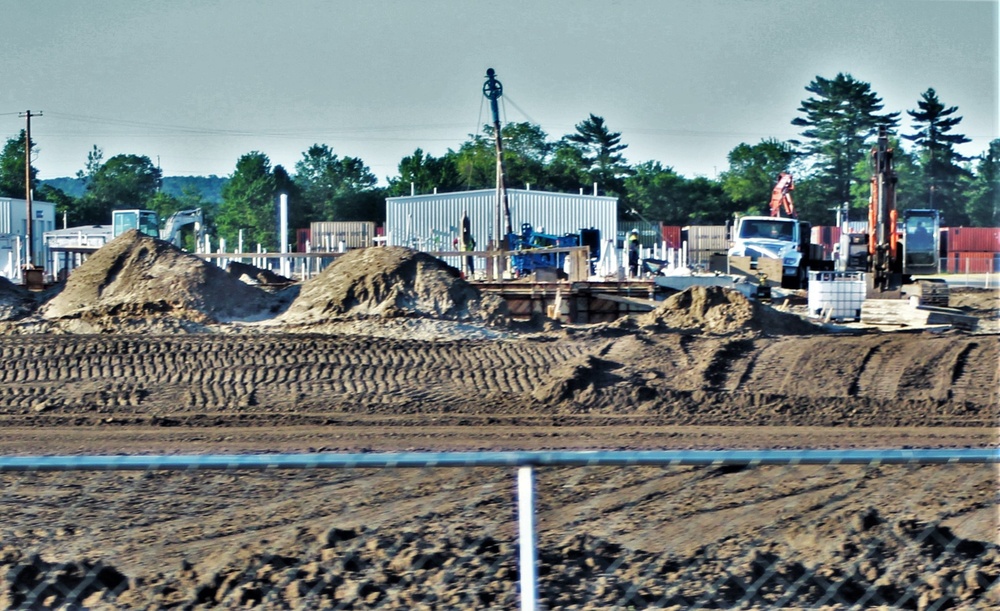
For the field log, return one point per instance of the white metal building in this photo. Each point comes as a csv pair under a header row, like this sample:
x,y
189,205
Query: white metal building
x,y
66,249
432,222
13,229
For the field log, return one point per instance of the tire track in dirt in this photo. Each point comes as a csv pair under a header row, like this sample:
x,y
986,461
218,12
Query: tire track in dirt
x,y
906,376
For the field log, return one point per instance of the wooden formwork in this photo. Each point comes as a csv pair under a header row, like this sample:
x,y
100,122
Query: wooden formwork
x,y
575,302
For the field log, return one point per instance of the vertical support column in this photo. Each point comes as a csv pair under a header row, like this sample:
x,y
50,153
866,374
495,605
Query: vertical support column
x,y
526,536
283,234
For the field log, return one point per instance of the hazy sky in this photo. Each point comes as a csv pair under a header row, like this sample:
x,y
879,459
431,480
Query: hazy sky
x,y
194,84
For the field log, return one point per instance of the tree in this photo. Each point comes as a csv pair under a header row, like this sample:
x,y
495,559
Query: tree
x,y
567,170
95,159
476,162
250,203
12,161
983,209
839,122
940,169
659,193
753,171
124,181
656,192
425,173
335,188
525,150
601,150
65,203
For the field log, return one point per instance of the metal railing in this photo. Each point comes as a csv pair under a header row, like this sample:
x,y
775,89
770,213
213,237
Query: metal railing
x,y
786,587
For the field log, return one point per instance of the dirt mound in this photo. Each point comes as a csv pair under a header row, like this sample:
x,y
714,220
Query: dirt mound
x,y
391,282
136,276
981,301
252,274
15,301
893,562
722,311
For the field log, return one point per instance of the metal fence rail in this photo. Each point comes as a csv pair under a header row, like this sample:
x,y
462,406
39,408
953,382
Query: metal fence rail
x,y
584,497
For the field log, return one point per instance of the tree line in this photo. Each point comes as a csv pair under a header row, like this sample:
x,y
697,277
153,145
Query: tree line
x,y
839,122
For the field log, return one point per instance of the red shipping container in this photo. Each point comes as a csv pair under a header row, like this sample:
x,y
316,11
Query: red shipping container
x,y
973,239
972,262
827,236
672,235
301,237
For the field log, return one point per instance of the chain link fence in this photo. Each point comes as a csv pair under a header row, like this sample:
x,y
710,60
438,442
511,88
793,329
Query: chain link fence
x,y
608,530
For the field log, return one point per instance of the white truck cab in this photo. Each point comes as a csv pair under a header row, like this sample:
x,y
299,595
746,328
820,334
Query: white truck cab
x,y
777,238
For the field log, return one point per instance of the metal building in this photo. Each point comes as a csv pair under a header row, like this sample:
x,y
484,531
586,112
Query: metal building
x,y
13,228
67,248
328,236
433,222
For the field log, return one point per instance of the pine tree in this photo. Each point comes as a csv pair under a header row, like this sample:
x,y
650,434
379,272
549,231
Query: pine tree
x,y
602,152
940,169
839,123
984,193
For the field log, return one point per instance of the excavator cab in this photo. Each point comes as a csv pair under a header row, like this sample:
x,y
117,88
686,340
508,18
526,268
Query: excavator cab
x,y
145,221
921,242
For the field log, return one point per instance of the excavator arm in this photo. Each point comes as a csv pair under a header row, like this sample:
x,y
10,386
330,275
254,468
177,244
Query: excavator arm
x,y
171,231
781,197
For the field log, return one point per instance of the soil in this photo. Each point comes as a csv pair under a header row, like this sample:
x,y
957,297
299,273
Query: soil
x,y
146,349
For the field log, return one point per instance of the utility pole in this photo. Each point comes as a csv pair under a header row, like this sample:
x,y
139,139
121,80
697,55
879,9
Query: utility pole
x,y
29,263
492,89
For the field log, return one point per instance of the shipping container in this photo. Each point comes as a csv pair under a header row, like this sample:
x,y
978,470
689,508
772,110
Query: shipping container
x,y
709,238
972,262
973,239
327,236
826,236
672,235
432,222
302,238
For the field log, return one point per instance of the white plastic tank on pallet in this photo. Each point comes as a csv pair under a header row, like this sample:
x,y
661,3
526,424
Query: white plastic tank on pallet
x,y
836,295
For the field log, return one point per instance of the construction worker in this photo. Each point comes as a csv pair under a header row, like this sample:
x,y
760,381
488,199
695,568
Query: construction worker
x,y
633,253
470,263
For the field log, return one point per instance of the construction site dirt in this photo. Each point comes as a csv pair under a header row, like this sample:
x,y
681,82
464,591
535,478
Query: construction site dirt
x,y
147,350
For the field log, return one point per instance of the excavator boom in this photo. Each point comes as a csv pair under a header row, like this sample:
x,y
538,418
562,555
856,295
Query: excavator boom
x,y
781,197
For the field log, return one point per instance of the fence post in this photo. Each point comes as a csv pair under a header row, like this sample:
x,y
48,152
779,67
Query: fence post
x,y
526,537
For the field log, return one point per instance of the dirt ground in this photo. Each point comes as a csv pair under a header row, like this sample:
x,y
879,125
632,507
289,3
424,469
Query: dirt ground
x,y
146,349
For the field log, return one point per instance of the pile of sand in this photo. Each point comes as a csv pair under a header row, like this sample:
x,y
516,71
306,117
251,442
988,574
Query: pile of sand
x,y
136,275
722,311
392,282
15,301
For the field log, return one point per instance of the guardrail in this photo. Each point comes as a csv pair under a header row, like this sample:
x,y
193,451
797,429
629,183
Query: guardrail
x,y
526,464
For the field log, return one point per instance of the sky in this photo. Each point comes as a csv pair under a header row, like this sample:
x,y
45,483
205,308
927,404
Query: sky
x,y
195,84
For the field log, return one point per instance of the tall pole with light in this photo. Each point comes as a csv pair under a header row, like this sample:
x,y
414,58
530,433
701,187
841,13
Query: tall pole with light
x,y
492,89
29,265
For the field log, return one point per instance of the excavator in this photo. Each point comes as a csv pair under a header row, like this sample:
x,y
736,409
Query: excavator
x,y
899,249
147,222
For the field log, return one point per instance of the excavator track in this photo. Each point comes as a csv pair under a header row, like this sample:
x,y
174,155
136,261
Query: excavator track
x,y
931,292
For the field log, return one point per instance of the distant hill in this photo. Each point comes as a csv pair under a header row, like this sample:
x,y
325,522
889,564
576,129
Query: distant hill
x,y
210,187
70,186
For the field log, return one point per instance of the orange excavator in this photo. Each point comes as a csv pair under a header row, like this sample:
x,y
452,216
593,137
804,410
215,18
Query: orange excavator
x,y
781,197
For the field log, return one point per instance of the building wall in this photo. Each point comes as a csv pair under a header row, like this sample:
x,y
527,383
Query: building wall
x,y
433,222
13,213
